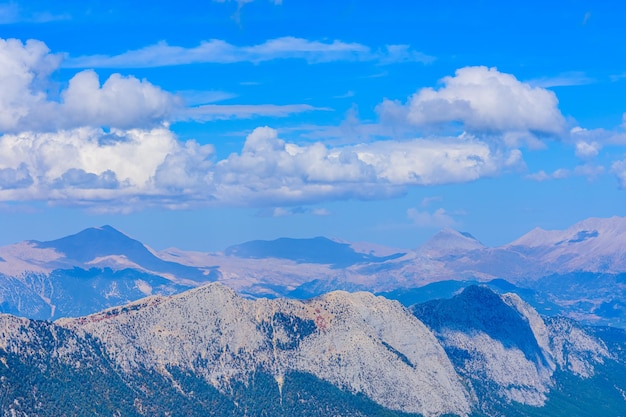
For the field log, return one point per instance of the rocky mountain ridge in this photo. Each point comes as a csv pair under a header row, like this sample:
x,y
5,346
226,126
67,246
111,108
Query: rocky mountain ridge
x,y
478,353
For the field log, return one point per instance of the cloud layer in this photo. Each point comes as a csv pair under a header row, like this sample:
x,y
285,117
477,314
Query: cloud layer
x,y
108,145
138,168
221,52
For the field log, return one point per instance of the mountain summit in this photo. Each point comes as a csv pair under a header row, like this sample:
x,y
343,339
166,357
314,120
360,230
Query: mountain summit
x,y
317,250
97,242
450,242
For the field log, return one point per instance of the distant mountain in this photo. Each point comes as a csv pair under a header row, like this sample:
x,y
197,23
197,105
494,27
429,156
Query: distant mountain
x,y
579,272
106,246
593,245
208,351
86,272
318,250
449,242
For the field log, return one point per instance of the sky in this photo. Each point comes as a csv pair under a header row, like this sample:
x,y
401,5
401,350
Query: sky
x,y
202,124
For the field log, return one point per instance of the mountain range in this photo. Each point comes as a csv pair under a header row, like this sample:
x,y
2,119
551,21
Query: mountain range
x,y
208,351
578,272
316,327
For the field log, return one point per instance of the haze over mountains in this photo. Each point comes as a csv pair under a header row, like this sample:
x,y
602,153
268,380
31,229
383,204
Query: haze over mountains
x,y
577,272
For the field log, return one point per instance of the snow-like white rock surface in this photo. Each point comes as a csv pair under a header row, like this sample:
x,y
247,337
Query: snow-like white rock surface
x,y
356,341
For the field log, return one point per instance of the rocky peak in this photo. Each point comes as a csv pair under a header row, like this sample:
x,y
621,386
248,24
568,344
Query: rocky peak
x,y
359,342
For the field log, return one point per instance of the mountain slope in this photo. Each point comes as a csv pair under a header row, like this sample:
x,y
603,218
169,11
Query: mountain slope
x,y
106,246
357,342
209,352
520,364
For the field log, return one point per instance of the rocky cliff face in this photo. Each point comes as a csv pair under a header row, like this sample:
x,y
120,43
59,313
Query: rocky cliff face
x,y
505,350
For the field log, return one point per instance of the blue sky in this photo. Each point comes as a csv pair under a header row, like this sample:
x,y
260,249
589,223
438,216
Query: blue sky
x,y
204,124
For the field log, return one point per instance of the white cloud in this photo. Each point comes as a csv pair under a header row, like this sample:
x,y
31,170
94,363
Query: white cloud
x,y
586,150
437,219
292,211
138,167
427,201
481,100
590,139
60,160
566,79
122,102
244,111
320,212
197,97
222,52
24,69
618,168
269,169
539,176
589,171
11,12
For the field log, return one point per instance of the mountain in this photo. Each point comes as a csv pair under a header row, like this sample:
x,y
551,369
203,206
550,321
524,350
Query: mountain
x,y
207,351
106,246
593,245
448,243
509,354
86,272
579,272
319,250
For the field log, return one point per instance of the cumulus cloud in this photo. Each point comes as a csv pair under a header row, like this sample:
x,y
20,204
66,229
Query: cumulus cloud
x,y
79,162
122,102
586,150
108,144
140,167
437,219
589,142
221,52
481,100
268,168
12,178
79,178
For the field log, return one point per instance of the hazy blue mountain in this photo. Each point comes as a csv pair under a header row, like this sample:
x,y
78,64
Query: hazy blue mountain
x,y
540,301
578,272
100,242
318,250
